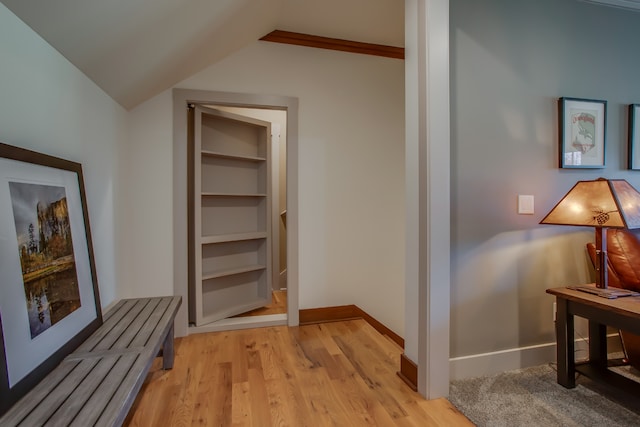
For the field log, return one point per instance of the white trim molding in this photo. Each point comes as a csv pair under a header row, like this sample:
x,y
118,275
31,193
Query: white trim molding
x,y
427,153
495,362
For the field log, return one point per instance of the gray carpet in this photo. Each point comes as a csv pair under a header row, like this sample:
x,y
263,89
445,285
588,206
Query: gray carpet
x,y
532,397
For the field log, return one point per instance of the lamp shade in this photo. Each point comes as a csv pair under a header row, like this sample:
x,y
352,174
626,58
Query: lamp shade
x,y
611,203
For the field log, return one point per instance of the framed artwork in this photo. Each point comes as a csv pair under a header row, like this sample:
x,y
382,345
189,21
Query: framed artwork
x,y
634,136
49,300
582,128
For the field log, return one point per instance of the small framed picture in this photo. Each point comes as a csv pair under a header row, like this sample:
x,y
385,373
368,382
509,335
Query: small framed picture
x,y
582,128
634,136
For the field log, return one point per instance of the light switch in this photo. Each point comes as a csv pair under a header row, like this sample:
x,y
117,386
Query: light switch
x,y
525,204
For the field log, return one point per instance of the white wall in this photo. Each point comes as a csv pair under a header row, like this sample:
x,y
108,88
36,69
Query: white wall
x,y
48,105
351,143
147,224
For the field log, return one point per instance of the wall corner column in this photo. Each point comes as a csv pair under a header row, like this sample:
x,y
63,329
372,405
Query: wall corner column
x,y
427,267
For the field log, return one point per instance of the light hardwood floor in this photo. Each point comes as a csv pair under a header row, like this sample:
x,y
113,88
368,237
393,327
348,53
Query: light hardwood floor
x,y
330,374
278,306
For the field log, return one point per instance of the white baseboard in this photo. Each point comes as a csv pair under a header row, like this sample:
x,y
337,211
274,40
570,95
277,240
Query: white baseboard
x,y
477,365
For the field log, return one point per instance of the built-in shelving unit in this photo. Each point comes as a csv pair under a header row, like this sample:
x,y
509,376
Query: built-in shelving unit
x,y
231,215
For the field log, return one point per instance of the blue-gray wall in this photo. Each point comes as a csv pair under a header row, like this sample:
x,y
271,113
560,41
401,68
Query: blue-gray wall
x,y
510,62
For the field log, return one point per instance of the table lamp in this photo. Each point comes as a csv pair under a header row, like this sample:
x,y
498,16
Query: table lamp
x,y
601,203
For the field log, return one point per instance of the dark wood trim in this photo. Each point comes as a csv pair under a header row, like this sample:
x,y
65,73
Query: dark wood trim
x,y
346,312
408,372
380,327
299,39
328,314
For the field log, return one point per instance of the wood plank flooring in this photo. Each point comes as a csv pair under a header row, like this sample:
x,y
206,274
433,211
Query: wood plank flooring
x,y
278,306
329,374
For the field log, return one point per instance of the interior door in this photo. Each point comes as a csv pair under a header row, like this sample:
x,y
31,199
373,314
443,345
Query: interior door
x,y
230,214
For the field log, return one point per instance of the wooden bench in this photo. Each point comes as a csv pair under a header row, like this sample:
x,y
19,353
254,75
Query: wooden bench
x,y
97,384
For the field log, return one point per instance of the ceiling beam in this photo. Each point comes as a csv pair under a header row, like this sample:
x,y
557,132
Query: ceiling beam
x,y
299,39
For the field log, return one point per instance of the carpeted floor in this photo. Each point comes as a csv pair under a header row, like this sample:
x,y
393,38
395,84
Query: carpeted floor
x,y
532,397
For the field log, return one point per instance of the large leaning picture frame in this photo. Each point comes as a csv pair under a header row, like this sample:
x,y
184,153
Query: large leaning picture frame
x,y
49,301
582,128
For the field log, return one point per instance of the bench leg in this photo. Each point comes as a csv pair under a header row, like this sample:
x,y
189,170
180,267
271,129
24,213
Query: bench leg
x,y
167,350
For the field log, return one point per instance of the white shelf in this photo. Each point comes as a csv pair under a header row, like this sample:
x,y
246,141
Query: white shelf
x,y
229,295
233,195
236,237
220,155
234,309
232,271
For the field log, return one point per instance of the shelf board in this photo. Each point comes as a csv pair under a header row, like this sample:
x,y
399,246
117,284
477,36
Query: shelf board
x,y
233,195
219,155
236,237
232,271
256,302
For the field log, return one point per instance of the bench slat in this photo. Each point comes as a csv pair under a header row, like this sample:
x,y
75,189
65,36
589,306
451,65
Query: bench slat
x,y
34,398
117,328
118,407
82,392
42,412
143,326
157,324
103,353
140,324
114,310
98,403
120,310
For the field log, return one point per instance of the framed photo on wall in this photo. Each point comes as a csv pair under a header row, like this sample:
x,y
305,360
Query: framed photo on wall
x,y
49,300
634,136
582,128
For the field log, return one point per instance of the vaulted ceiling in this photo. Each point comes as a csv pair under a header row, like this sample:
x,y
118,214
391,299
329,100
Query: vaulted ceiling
x,y
135,49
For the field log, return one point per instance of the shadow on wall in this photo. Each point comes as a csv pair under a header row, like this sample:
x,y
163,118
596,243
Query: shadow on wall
x,y
498,295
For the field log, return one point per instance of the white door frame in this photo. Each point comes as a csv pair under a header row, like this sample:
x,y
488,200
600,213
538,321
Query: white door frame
x,y
427,294
181,99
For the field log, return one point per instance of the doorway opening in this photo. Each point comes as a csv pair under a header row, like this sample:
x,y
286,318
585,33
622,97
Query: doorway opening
x,y
277,304
281,114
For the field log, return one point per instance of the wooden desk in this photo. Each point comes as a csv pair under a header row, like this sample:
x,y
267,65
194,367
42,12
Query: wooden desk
x,y
621,313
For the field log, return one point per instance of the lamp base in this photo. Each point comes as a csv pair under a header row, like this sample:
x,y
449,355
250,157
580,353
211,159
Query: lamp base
x,y
602,277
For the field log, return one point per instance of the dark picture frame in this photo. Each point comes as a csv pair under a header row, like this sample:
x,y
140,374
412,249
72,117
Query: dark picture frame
x,y
49,299
583,130
634,137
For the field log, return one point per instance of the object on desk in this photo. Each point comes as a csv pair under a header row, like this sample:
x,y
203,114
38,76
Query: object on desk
x,y
610,293
602,203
